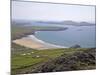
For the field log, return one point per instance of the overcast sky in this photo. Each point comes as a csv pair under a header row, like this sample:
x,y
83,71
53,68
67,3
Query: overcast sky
x,y
52,12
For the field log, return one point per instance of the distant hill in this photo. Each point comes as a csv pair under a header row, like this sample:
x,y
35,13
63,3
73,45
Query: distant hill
x,y
67,22
70,22
20,22
77,23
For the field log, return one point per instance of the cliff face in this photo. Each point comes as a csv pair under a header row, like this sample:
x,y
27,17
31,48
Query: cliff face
x,y
85,60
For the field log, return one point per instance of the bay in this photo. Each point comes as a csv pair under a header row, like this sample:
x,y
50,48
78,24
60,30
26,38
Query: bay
x,y
85,36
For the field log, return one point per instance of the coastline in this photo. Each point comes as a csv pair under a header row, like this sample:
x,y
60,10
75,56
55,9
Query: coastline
x,y
31,41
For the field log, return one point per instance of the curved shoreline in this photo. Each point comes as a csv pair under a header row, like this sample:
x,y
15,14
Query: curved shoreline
x,y
31,41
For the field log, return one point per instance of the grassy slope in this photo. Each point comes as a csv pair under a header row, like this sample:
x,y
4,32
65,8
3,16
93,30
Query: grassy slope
x,y
19,62
84,60
23,64
20,31
17,31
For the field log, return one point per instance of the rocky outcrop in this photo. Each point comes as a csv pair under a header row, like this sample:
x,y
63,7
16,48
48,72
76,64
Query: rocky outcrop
x,y
75,46
78,61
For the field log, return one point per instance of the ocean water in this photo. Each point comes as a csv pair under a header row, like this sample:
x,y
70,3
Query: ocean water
x,y
85,36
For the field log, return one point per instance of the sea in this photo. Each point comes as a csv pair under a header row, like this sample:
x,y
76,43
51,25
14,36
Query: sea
x,y
85,36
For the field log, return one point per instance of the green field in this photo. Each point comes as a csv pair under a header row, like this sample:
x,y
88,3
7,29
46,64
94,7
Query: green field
x,y
21,31
24,59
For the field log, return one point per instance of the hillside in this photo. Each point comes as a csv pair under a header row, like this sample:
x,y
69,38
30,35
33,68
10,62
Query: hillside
x,y
39,23
26,60
78,61
22,31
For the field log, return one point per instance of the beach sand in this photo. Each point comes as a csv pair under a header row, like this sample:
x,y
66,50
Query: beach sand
x,y
32,42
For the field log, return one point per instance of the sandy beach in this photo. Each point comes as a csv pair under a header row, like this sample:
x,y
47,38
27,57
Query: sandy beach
x,y
32,42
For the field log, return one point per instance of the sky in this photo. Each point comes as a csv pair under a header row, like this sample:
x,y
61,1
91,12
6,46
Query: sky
x,y
52,12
